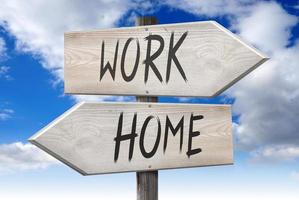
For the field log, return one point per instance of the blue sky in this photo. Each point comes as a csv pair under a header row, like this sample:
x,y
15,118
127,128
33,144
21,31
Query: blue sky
x,y
265,103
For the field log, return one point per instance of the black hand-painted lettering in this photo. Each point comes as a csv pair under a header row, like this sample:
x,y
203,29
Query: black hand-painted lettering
x,y
133,73
171,56
150,58
119,137
141,141
179,126
193,134
108,65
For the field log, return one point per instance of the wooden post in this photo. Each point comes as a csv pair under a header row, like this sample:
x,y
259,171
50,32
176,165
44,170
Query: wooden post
x,y
147,182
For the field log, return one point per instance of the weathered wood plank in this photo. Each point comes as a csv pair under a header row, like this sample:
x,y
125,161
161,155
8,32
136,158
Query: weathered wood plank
x,y
210,58
85,136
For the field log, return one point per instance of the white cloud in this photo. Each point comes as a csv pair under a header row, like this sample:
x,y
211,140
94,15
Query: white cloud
x,y
4,72
274,154
5,114
17,156
2,47
267,26
266,99
211,8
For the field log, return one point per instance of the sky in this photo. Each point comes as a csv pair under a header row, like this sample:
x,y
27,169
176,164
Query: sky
x,y
264,103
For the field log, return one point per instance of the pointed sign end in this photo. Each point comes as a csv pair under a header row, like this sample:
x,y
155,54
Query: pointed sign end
x,y
262,60
31,140
36,139
236,37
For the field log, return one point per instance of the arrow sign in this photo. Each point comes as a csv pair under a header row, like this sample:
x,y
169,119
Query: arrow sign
x,y
187,59
96,138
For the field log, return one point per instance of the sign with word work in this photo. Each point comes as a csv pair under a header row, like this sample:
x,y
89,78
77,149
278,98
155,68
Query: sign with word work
x,y
186,59
96,138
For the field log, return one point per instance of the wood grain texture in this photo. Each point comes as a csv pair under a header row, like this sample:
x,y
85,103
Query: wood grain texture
x,y
147,185
83,137
212,58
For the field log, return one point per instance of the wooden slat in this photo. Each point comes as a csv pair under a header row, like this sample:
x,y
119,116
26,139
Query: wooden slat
x,y
211,57
83,137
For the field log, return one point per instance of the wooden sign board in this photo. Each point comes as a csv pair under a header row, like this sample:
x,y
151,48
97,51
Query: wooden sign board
x,y
187,59
96,138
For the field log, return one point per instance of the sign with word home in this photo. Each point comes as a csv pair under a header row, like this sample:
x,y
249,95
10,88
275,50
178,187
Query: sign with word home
x,y
187,59
96,138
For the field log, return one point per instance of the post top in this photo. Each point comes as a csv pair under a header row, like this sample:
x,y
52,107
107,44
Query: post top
x,y
146,20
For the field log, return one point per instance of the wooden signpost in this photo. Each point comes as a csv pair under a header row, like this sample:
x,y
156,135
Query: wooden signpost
x,y
97,138
199,59
188,59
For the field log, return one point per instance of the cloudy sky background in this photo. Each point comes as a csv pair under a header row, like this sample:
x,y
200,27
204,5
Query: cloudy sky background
x,y
265,103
